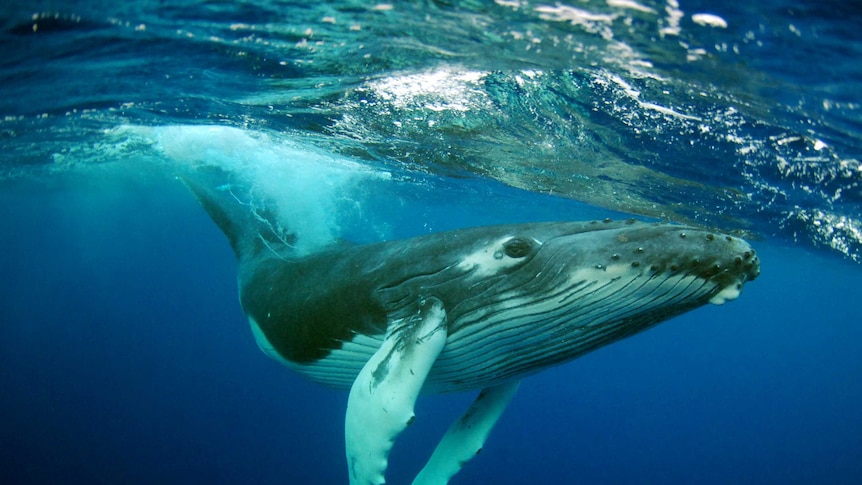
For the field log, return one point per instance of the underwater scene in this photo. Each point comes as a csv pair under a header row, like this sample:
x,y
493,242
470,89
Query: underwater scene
x,y
137,135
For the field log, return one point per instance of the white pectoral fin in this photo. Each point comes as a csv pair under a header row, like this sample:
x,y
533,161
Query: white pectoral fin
x,y
465,437
382,397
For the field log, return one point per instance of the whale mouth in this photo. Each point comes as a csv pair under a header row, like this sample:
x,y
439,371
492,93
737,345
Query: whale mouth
x,y
588,290
661,251
744,267
727,261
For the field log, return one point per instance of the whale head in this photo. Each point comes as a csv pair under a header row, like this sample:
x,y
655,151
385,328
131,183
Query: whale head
x,y
529,296
614,254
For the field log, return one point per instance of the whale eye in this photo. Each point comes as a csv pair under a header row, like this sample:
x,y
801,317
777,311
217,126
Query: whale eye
x,y
517,247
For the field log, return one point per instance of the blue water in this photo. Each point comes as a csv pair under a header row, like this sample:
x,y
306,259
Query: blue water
x,y
125,357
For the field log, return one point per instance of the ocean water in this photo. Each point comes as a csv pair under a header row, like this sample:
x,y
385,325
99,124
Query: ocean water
x,y
124,354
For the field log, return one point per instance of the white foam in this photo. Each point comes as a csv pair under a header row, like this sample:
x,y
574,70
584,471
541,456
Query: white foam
x,y
709,20
574,15
667,111
674,14
630,4
634,94
444,89
594,23
728,293
308,187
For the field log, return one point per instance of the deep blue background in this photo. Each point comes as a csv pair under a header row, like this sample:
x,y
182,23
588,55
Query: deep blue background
x,y
125,358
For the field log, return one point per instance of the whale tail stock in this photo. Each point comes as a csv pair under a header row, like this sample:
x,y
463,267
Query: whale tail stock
x,y
248,227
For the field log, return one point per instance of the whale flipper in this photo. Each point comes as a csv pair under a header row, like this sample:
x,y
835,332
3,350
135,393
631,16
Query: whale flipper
x,y
465,437
382,397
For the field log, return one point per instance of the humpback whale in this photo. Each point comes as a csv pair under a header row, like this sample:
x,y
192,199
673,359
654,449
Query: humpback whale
x,y
471,309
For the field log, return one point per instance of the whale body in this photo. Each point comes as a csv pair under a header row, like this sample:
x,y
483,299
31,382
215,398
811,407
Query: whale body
x,y
470,309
